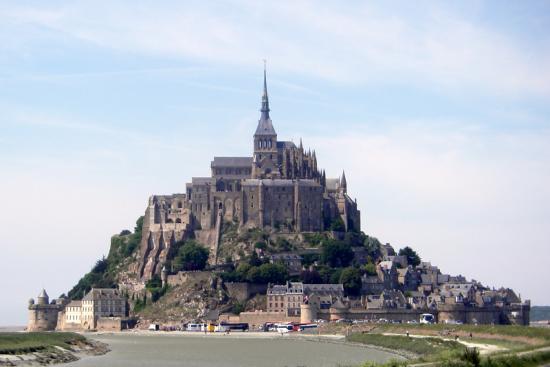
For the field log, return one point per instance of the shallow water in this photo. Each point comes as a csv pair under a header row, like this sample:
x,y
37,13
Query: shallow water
x,y
231,351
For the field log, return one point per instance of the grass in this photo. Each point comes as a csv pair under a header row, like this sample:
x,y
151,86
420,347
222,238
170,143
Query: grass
x,y
543,334
21,343
424,348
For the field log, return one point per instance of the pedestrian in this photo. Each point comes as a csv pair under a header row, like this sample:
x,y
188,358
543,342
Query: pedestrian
x,y
408,336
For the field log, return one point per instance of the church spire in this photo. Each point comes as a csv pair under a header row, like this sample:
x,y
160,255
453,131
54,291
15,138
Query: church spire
x,y
265,98
343,182
265,126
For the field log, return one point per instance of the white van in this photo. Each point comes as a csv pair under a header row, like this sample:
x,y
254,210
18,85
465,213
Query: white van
x,y
153,327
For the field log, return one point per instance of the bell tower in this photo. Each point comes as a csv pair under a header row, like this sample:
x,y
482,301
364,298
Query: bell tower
x,y
266,160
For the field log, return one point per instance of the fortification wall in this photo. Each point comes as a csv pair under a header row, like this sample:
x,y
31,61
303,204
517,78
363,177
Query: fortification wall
x,y
42,318
109,324
184,277
257,318
243,291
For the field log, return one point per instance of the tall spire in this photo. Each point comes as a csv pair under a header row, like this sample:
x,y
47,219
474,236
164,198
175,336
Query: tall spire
x,y
265,126
265,99
343,182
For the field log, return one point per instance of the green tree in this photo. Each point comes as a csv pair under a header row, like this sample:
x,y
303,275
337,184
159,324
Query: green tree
x,y
310,277
273,273
337,225
351,279
373,247
191,256
370,268
411,255
336,253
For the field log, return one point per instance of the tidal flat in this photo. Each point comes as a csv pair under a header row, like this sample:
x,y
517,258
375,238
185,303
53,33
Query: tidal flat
x,y
235,350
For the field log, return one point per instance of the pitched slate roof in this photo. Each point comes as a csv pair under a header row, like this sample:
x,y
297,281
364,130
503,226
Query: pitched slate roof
x,y
232,162
102,293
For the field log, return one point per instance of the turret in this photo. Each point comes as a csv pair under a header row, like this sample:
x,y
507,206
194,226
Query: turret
x,y
43,298
343,182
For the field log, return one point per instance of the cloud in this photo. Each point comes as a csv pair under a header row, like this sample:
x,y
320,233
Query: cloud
x,y
351,43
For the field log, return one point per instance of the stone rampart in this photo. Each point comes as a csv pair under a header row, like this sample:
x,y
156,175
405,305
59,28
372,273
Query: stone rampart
x,y
243,291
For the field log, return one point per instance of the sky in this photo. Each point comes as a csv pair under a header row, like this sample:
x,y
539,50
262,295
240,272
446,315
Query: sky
x,y
439,113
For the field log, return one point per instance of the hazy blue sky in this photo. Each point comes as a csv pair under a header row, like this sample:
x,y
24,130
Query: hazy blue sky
x,y
438,112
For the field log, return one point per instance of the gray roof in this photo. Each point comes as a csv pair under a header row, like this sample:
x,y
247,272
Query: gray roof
x,y
278,182
201,180
102,293
324,288
232,162
277,289
265,127
43,294
75,304
285,257
286,144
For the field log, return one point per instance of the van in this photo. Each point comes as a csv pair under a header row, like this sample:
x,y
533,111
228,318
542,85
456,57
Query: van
x,y
427,318
153,327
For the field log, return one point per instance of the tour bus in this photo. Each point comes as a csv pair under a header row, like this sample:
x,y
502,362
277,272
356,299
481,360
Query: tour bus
x,y
302,327
427,318
243,326
285,328
194,327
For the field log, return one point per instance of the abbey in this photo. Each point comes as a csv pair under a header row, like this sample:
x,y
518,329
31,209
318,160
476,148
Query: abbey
x,y
279,187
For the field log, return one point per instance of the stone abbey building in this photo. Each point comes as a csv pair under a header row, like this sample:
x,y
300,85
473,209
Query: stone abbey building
x,y
279,187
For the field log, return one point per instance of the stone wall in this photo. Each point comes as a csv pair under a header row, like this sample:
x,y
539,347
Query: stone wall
x,y
243,291
183,277
109,324
257,318
42,317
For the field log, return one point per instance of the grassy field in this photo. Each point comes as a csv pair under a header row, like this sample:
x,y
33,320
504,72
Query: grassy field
x,y
425,349
21,343
518,345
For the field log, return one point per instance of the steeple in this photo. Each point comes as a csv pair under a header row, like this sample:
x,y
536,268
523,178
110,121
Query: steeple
x,y
265,127
265,98
343,183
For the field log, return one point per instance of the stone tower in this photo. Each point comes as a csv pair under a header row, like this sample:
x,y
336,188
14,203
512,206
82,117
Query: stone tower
x,y
266,158
42,314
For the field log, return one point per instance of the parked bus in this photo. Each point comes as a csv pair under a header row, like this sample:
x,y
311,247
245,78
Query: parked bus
x,y
243,326
194,327
285,328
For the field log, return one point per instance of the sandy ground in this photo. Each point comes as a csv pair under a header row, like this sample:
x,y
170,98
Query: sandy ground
x,y
233,334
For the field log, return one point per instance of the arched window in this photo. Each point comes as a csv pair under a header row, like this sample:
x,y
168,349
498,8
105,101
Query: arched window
x,y
269,143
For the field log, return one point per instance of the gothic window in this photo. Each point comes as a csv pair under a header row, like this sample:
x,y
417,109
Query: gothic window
x,y
269,143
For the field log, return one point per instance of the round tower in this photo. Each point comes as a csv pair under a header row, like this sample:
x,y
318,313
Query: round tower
x,y
43,298
308,313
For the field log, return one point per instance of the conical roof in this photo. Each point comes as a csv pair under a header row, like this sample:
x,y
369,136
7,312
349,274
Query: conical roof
x,y
43,294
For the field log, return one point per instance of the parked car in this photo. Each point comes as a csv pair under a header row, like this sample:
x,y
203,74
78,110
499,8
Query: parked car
x,y
427,318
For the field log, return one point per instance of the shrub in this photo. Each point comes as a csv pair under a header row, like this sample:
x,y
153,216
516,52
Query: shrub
x,y
191,256
351,279
336,253
411,255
